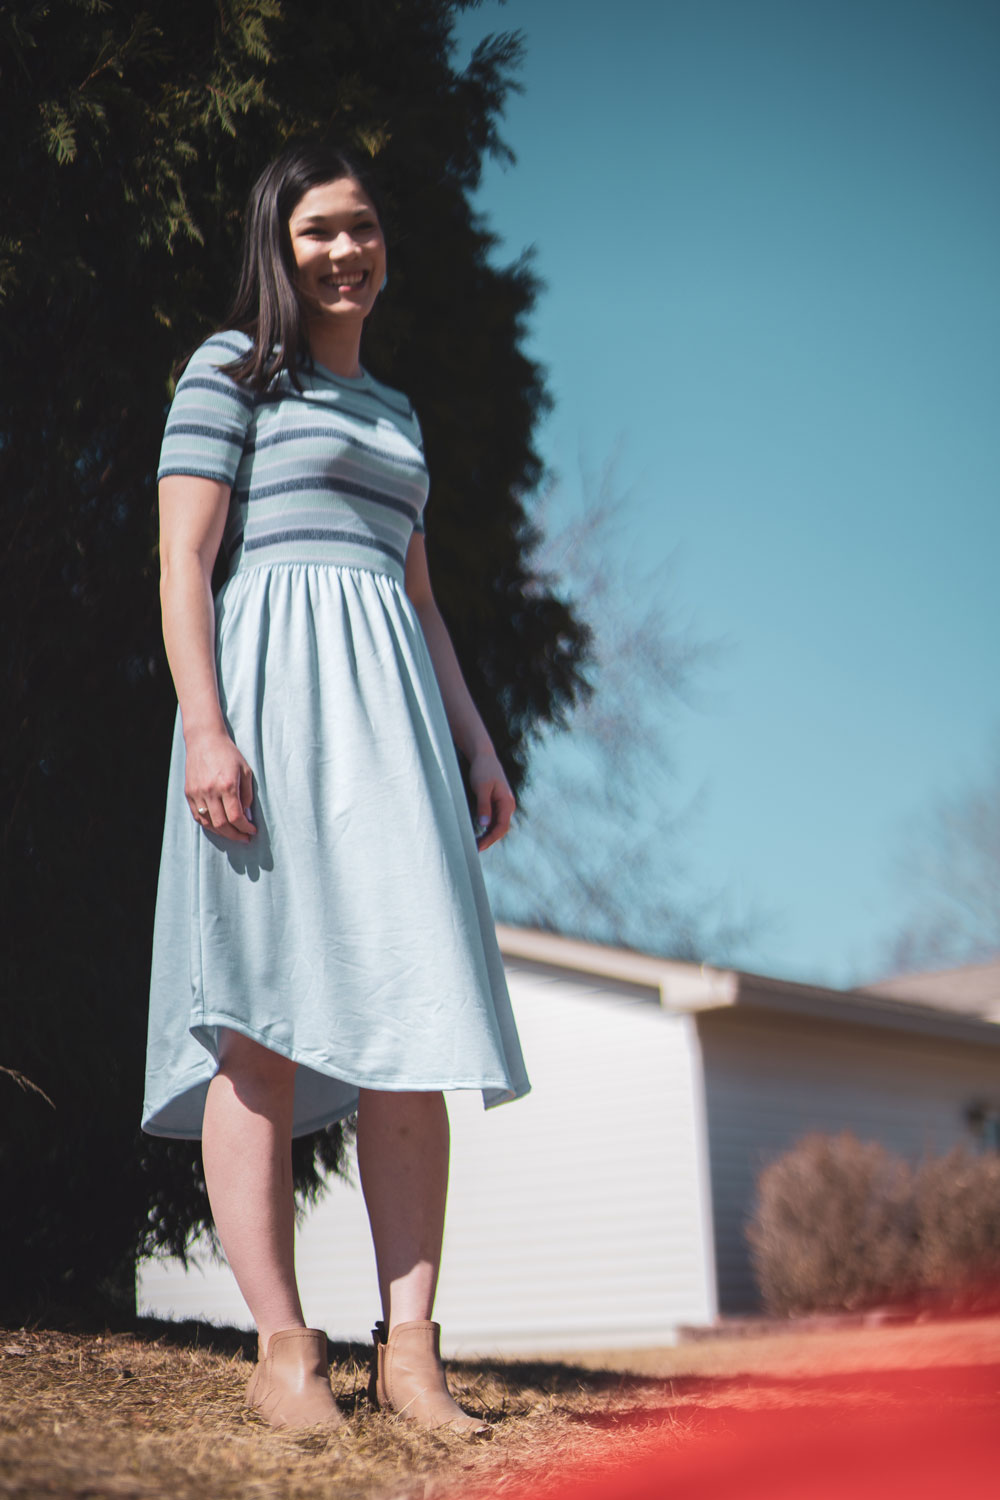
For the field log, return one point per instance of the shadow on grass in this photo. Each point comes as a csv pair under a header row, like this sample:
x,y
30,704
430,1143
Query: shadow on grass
x,y
216,1339
552,1378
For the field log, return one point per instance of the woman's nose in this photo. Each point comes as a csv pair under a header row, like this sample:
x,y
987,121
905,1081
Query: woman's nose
x,y
341,246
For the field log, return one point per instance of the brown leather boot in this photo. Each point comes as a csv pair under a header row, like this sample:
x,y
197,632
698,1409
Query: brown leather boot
x,y
407,1378
290,1386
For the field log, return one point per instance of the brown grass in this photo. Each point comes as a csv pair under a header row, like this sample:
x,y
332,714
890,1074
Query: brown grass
x,y
158,1412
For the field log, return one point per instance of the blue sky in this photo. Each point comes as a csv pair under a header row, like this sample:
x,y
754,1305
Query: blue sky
x,y
770,233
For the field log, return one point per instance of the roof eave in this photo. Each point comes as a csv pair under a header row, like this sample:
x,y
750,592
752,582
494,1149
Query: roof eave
x,y
682,987
679,986
759,993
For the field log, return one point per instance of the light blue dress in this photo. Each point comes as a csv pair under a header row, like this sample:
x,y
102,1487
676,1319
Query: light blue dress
x,y
353,933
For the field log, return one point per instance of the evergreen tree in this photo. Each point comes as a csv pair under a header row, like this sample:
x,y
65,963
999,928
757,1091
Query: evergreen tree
x,y
131,136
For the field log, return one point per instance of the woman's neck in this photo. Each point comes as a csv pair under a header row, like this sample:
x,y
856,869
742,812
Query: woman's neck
x,y
337,349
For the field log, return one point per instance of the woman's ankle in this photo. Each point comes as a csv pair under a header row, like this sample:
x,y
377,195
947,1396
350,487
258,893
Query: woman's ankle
x,y
267,1330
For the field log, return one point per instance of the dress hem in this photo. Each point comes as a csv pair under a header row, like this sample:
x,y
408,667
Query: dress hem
x,y
501,1090
211,1019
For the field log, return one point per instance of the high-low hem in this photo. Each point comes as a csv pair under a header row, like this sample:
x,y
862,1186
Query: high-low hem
x,y
188,1099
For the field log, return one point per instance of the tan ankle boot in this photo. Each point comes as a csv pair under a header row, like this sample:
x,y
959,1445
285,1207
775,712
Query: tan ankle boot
x,y
408,1378
290,1386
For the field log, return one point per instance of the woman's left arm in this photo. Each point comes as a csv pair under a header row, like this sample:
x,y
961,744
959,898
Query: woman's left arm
x,y
494,798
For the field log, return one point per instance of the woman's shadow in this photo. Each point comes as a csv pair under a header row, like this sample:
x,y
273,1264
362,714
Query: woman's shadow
x,y
251,859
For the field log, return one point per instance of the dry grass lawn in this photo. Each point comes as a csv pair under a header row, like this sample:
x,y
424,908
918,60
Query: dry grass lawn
x,y
158,1413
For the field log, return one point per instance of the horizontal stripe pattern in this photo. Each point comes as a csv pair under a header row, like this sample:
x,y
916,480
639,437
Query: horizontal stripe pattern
x,y
334,473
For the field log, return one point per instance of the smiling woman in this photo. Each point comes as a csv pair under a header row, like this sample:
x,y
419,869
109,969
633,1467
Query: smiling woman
x,y
323,942
304,234
339,251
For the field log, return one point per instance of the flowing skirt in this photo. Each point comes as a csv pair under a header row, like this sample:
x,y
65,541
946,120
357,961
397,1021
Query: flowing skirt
x,y
353,933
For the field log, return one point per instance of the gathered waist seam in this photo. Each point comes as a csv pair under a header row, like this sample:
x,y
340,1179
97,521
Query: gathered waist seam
x,y
274,565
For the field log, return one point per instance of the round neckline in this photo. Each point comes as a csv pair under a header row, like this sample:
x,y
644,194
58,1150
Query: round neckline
x,y
352,380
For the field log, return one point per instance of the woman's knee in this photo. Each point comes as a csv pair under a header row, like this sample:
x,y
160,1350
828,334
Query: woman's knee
x,y
417,1113
245,1061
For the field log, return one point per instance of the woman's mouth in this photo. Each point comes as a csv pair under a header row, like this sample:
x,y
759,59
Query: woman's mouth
x,y
345,281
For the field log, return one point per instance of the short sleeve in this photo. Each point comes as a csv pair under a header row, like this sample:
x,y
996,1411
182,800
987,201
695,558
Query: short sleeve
x,y
210,414
419,527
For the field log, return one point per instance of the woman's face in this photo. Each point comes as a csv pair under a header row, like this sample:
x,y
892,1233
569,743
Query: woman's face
x,y
339,250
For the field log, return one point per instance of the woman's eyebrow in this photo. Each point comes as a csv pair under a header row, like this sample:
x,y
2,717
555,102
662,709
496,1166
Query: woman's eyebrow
x,y
354,213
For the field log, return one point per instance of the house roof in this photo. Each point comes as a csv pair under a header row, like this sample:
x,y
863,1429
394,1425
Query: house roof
x,y
680,987
973,989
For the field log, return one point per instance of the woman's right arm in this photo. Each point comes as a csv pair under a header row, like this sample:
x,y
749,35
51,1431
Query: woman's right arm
x,y
192,518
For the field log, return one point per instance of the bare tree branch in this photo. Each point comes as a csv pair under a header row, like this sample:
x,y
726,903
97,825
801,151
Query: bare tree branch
x,y
950,863
600,847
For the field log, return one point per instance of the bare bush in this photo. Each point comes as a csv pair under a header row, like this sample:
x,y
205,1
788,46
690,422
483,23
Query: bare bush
x,y
841,1225
957,1205
832,1227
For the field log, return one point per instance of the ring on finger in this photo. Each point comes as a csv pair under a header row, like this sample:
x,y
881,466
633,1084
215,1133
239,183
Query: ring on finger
x,y
202,812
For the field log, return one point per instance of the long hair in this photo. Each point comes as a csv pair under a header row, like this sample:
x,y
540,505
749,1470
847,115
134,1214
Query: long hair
x,y
267,305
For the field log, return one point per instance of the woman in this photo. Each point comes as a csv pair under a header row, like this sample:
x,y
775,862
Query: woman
x,y
323,943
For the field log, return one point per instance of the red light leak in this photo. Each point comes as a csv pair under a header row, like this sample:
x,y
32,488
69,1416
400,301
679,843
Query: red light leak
x,y
927,1434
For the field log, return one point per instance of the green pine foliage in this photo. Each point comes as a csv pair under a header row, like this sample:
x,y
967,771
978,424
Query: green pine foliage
x,y
131,136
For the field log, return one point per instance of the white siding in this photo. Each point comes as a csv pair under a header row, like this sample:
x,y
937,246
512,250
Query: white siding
x,y
578,1222
577,1217
770,1078
205,1291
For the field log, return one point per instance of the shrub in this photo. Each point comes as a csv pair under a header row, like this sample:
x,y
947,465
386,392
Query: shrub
x,y
957,1252
833,1226
841,1225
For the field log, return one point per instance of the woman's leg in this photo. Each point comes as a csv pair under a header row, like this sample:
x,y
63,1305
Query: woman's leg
x,y
247,1152
403,1156
403,1144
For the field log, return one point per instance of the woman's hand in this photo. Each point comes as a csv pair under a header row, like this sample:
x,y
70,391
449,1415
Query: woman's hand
x,y
494,799
218,785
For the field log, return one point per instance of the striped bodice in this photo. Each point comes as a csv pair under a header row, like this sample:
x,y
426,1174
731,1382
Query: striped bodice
x,y
334,473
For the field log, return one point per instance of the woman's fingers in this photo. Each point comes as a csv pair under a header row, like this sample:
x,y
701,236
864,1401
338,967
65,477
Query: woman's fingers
x,y
219,787
223,813
484,813
494,799
505,812
495,808
216,819
232,807
223,820
246,796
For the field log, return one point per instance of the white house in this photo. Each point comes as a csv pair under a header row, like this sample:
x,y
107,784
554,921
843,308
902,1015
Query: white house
x,y
607,1208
